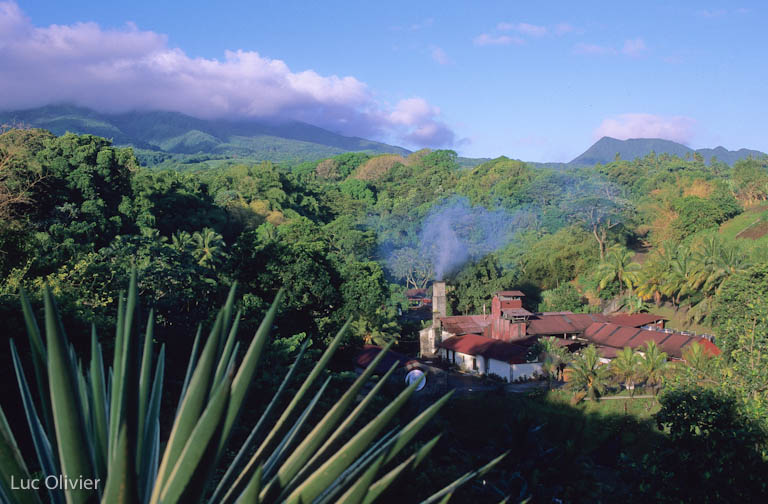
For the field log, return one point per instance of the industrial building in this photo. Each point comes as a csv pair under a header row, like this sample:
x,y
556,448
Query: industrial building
x,y
498,343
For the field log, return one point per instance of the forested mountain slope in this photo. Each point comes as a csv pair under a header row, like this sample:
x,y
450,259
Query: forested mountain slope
x,y
606,149
158,136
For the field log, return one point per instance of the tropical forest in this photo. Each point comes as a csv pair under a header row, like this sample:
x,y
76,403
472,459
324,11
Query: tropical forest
x,y
224,279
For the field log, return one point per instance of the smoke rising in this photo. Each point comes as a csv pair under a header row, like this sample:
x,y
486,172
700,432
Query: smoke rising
x,y
456,232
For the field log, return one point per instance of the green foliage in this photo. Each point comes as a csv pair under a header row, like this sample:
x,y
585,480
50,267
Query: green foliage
x,y
750,178
473,287
115,436
696,214
713,445
559,258
741,314
565,297
497,183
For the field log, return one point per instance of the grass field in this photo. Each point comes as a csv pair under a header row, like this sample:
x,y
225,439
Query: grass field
x,y
749,226
640,409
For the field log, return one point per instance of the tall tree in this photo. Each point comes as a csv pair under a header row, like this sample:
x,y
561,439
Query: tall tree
x,y
618,267
626,369
599,207
209,247
587,374
653,366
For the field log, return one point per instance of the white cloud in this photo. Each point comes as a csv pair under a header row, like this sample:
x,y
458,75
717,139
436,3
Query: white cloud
x,y
440,56
712,13
486,39
132,69
563,28
417,111
633,47
642,125
595,49
524,28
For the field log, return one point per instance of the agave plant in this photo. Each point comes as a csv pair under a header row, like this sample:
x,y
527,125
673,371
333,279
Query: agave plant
x,y
92,423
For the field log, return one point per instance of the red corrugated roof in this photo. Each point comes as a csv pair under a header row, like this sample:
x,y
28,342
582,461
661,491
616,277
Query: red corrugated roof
x,y
616,336
512,293
571,323
635,319
516,312
465,324
472,344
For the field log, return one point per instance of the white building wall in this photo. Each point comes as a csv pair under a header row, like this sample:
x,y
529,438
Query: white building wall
x,y
464,361
500,368
526,371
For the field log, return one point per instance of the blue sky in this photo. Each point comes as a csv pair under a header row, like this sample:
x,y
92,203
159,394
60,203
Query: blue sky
x,y
539,81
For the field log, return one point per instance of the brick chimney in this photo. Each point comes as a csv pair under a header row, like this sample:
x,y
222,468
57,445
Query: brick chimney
x,y
439,302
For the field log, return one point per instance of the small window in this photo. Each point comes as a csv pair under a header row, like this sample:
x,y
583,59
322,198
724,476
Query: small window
x,y
474,364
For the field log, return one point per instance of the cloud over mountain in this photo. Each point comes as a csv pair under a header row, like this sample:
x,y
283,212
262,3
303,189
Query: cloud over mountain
x,y
134,69
624,126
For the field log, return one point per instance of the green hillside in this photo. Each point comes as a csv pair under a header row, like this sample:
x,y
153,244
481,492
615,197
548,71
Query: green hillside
x,y
750,227
168,137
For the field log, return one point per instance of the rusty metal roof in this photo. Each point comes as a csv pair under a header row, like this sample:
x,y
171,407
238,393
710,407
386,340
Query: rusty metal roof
x,y
512,293
616,336
516,312
635,319
465,324
570,323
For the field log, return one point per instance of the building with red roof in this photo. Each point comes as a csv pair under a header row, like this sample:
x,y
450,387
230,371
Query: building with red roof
x,y
483,355
609,336
492,343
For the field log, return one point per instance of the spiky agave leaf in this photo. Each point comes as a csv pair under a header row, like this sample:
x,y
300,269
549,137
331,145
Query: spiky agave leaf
x,y
12,466
118,421
71,434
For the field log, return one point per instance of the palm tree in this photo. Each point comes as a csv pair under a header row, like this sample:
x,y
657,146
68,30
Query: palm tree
x,y
701,362
553,357
626,369
588,374
635,304
182,241
209,247
618,267
377,330
653,366
713,263
650,279
679,271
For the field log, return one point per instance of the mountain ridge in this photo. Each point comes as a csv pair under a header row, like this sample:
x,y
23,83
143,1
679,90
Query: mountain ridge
x,y
173,133
605,151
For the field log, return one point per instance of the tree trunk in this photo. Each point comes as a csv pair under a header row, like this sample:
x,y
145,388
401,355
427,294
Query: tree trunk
x,y
600,241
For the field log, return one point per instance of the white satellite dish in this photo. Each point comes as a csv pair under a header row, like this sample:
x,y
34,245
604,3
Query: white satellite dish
x,y
413,376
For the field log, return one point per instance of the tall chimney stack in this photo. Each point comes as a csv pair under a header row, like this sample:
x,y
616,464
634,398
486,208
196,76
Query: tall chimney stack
x,y
438,302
